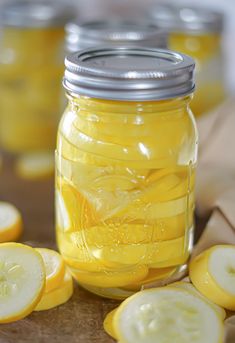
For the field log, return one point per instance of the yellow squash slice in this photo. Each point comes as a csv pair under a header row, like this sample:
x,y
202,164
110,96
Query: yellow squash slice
x,y
35,165
189,287
22,281
167,315
58,296
213,274
55,268
108,324
10,222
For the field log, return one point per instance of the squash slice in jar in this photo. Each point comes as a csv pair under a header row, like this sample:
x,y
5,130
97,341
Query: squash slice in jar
x,y
74,211
111,278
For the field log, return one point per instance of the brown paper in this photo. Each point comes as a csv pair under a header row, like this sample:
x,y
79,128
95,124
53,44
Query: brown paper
x,y
215,188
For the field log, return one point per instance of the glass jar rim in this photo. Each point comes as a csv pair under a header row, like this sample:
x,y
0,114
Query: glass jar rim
x,y
88,34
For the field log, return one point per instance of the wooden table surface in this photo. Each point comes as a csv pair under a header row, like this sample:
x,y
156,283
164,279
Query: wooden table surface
x,y
81,318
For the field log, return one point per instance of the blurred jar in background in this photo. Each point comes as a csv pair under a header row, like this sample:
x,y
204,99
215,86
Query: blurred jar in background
x,y
115,32
196,32
31,67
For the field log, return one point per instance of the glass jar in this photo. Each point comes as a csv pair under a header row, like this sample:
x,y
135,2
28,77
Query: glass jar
x,y
31,69
197,31
115,32
126,155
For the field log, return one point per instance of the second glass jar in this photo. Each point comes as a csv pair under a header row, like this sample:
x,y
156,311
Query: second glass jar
x,y
197,32
31,70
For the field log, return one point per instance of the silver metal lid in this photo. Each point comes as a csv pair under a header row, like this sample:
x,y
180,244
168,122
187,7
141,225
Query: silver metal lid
x,y
36,14
129,73
97,33
181,18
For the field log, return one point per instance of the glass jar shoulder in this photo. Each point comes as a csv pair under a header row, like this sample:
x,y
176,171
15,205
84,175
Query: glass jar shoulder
x,y
127,131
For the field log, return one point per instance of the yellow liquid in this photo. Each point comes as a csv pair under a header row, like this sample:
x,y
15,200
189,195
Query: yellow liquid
x,y
125,190
205,49
31,69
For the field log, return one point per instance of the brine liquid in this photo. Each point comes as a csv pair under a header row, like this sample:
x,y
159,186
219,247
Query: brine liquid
x,y
123,223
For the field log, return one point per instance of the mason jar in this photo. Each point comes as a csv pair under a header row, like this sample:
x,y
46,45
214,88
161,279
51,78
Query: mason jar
x,y
31,70
125,160
115,32
197,31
